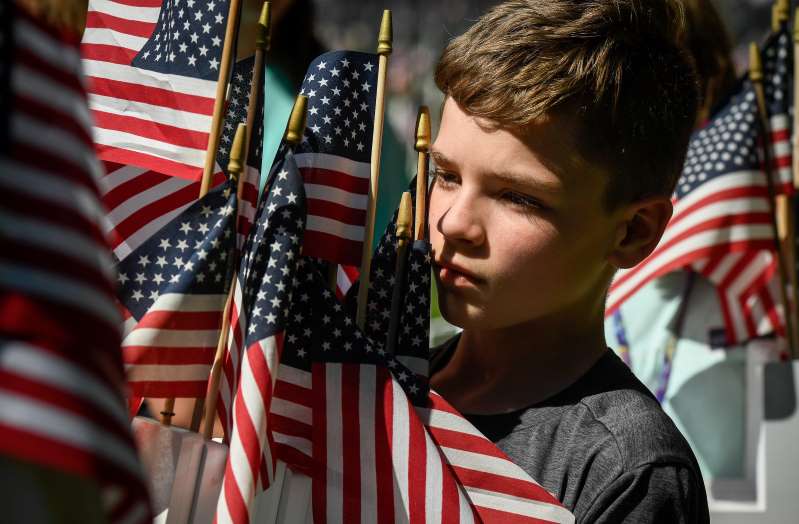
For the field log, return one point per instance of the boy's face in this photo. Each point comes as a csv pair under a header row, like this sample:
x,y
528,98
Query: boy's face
x,y
517,225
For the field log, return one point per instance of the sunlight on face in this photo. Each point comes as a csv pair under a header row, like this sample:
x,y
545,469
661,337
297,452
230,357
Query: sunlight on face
x,y
517,227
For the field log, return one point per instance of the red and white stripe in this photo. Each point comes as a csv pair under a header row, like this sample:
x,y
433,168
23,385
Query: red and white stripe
x,y
170,351
250,465
231,366
726,215
748,288
385,461
61,379
248,204
780,132
345,278
336,191
140,202
139,121
499,490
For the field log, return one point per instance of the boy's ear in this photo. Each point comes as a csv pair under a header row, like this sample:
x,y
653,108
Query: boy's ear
x,y
639,230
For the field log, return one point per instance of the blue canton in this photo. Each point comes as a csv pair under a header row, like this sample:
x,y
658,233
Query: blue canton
x,y
320,330
778,72
238,104
190,255
341,89
272,252
727,144
413,345
187,39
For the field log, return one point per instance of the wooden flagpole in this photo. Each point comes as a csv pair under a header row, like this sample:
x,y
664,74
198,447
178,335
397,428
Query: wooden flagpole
x,y
756,76
422,166
217,120
404,236
384,43
235,169
228,48
262,42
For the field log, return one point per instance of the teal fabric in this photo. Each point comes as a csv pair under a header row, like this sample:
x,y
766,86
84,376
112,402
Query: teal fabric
x,y
394,174
706,390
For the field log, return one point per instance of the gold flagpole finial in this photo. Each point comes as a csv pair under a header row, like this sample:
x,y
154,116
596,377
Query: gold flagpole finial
x,y
264,38
755,63
236,164
296,127
796,25
386,36
423,130
405,217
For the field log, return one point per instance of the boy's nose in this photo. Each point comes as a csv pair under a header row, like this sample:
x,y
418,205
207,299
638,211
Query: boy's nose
x,y
462,223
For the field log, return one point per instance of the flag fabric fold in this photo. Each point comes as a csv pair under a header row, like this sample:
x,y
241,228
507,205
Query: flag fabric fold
x,y
335,154
152,68
722,224
174,286
267,271
61,377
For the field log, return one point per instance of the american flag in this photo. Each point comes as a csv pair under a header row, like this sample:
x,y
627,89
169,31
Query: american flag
x,y
267,272
238,104
722,224
174,285
61,377
152,68
141,201
377,445
344,412
335,154
413,345
778,86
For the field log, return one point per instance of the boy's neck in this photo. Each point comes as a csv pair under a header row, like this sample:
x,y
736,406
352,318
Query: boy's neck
x,y
503,370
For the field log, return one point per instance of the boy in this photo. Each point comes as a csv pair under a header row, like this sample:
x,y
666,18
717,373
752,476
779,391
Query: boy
x,y
563,132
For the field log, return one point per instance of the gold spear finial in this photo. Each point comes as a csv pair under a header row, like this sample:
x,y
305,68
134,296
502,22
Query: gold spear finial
x,y
405,217
796,25
780,12
264,38
236,163
296,127
423,130
755,63
386,36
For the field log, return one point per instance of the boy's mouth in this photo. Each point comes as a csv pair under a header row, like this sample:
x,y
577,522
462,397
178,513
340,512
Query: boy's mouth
x,y
453,275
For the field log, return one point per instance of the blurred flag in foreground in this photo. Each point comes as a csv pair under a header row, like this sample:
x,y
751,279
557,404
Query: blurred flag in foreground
x,y
152,68
61,378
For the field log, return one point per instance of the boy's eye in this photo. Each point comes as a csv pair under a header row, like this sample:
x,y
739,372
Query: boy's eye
x,y
444,179
520,200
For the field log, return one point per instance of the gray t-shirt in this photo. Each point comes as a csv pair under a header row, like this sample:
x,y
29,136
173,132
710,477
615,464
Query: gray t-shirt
x,y
603,447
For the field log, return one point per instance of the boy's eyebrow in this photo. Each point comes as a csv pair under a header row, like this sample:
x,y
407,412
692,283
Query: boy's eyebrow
x,y
440,158
509,177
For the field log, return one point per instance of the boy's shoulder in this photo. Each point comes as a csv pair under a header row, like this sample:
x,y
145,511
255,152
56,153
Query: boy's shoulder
x,y
603,443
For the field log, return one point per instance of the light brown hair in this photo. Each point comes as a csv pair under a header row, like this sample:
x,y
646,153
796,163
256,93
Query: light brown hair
x,y
616,65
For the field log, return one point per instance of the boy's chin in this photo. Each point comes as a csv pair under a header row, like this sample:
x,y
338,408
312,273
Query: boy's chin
x,y
463,315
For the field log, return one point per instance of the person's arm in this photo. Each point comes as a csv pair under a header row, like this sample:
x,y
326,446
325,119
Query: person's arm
x,y
667,494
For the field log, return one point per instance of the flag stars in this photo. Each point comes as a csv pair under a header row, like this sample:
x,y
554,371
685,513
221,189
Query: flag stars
x,y
182,245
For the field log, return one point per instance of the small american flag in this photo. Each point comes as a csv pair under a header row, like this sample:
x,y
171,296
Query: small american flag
x,y
267,271
152,68
413,345
334,157
141,201
238,104
174,286
378,446
777,84
366,430
61,376
722,224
